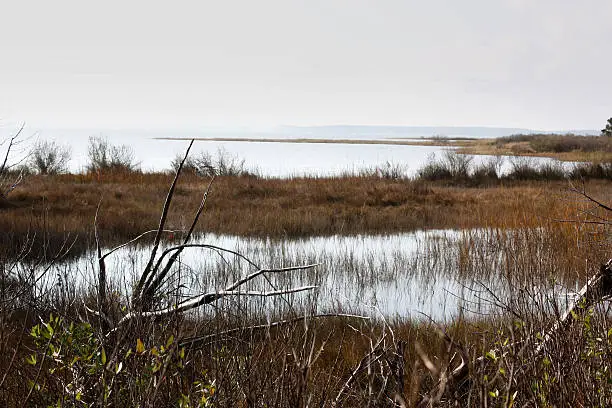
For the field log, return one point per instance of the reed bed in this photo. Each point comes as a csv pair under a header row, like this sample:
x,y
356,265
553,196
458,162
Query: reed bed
x,y
519,250
64,206
233,354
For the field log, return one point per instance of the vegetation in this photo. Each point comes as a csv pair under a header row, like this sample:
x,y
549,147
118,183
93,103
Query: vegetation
x,y
205,164
105,157
607,131
174,332
48,157
12,155
540,143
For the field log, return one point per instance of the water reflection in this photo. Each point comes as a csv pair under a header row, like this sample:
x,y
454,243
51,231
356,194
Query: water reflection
x,y
439,273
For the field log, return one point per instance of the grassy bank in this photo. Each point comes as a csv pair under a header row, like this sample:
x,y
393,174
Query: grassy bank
x,y
129,205
562,147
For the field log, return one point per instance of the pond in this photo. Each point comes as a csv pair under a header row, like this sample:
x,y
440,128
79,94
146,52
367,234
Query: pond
x,y
438,273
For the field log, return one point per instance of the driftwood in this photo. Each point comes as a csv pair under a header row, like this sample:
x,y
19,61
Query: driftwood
x,y
597,289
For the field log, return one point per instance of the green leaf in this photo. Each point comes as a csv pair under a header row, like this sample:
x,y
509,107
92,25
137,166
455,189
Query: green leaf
x,y
140,348
31,359
103,356
170,341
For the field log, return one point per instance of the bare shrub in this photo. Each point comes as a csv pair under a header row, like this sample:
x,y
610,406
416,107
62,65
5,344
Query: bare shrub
x,y
452,167
434,170
487,171
48,157
206,164
388,171
524,168
105,157
13,154
594,170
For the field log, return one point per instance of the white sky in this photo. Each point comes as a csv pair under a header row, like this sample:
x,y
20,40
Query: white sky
x,y
174,64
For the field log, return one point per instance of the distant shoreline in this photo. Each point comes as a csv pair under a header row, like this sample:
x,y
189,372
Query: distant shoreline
x,y
395,142
508,146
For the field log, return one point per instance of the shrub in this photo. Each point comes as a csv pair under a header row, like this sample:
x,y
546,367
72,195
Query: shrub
x,y
595,170
607,131
452,167
552,171
557,143
105,157
434,170
524,168
487,171
388,171
48,157
205,164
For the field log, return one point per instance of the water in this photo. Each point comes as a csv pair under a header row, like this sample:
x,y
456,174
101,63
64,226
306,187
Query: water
x,y
408,275
265,159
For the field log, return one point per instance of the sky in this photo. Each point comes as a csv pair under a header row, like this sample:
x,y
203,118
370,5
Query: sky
x,y
538,64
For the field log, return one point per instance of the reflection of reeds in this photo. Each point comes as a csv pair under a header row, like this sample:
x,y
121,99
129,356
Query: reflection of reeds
x,y
505,272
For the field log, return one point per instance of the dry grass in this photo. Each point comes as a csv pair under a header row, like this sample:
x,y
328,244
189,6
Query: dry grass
x,y
129,204
309,362
562,147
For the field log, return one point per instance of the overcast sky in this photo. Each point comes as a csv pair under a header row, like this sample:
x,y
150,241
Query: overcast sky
x,y
174,64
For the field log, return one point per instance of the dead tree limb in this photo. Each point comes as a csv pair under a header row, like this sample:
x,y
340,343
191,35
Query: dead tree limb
x,y
136,298
6,186
598,288
155,273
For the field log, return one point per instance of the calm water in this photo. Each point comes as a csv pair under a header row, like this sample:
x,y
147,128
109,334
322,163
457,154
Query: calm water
x,y
266,159
401,275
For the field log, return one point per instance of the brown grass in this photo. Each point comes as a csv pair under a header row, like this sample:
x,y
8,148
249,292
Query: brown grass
x,y
562,147
282,366
130,204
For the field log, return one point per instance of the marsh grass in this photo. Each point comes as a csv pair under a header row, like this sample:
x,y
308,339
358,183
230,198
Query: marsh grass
x,y
514,275
560,143
64,206
520,274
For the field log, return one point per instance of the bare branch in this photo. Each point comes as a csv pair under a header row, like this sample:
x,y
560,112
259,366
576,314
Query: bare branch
x,y
207,299
133,240
11,144
162,223
157,277
593,200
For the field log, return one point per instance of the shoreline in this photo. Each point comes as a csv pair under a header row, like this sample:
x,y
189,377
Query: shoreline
x,y
468,146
